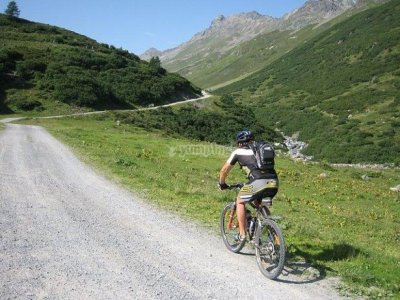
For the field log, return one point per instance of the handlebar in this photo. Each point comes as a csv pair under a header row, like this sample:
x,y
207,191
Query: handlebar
x,y
235,186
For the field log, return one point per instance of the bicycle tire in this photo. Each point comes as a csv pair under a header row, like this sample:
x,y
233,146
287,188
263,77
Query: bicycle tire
x,y
270,248
228,233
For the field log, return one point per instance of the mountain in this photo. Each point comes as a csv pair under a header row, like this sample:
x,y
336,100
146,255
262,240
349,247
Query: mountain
x,y
152,52
212,51
223,34
43,67
339,91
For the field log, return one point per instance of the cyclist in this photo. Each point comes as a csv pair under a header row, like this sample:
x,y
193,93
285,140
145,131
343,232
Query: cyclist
x,y
262,183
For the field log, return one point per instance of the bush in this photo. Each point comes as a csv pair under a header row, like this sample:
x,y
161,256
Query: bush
x,y
28,105
26,69
78,88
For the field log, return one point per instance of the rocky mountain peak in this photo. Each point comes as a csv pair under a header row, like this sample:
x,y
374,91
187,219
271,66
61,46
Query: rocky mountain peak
x,y
234,22
218,20
252,15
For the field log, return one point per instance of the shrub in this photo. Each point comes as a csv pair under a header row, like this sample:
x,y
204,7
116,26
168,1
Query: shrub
x,y
28,105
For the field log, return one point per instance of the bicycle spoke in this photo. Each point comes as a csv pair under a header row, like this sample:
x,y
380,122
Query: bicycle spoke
x,y
271,250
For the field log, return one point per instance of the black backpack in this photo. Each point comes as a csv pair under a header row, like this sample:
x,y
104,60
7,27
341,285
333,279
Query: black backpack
x,y
264,154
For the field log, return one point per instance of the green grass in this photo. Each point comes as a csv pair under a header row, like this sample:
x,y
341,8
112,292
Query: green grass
x,y
340,223
4,116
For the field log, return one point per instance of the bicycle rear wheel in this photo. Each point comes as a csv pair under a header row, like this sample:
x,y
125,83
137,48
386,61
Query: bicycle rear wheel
x,y
229,227
270,248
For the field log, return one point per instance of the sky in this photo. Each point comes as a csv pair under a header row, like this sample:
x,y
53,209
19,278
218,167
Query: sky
x,y
138,25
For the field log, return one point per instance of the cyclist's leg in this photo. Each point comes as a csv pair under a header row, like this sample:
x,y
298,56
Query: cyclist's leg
x,y
241,215
245,195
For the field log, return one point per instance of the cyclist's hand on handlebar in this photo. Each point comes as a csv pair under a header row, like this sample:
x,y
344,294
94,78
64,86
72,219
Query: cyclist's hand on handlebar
x,y
222,186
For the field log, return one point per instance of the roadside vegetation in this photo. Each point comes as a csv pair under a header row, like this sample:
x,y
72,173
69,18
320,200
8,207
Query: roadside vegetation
x,y
214,124
46,69
343,224
340,90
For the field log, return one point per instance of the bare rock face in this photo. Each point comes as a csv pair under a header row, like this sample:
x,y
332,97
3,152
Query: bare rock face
x,y
316,11
237,25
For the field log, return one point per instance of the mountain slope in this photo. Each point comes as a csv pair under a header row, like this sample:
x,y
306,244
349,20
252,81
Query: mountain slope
x,y
340,90
211,45
210,57
45,67
247,57
223,34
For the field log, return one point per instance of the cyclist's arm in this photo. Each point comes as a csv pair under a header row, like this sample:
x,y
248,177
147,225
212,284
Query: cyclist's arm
x,y
224,172
232,160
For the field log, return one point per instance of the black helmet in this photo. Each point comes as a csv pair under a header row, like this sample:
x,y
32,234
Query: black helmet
x,y
244,136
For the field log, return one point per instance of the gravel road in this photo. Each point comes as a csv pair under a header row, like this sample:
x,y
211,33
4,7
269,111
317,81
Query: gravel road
x,y
68,233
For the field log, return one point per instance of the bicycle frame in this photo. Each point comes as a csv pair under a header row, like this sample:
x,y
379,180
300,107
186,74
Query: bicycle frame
x,y
261,210
262,231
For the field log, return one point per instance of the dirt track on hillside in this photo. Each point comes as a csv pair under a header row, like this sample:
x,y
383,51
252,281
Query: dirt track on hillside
x,y
68,233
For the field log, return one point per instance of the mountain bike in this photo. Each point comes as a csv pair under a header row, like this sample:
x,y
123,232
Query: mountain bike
x,y
262,231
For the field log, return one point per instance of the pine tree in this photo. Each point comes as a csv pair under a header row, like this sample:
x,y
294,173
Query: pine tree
x,y
12,9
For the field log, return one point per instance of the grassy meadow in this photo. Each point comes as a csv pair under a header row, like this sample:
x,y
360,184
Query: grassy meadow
x,y
342,224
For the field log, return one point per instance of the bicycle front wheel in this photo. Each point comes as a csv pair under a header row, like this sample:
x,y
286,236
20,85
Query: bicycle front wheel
x,y
229,226
270,248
